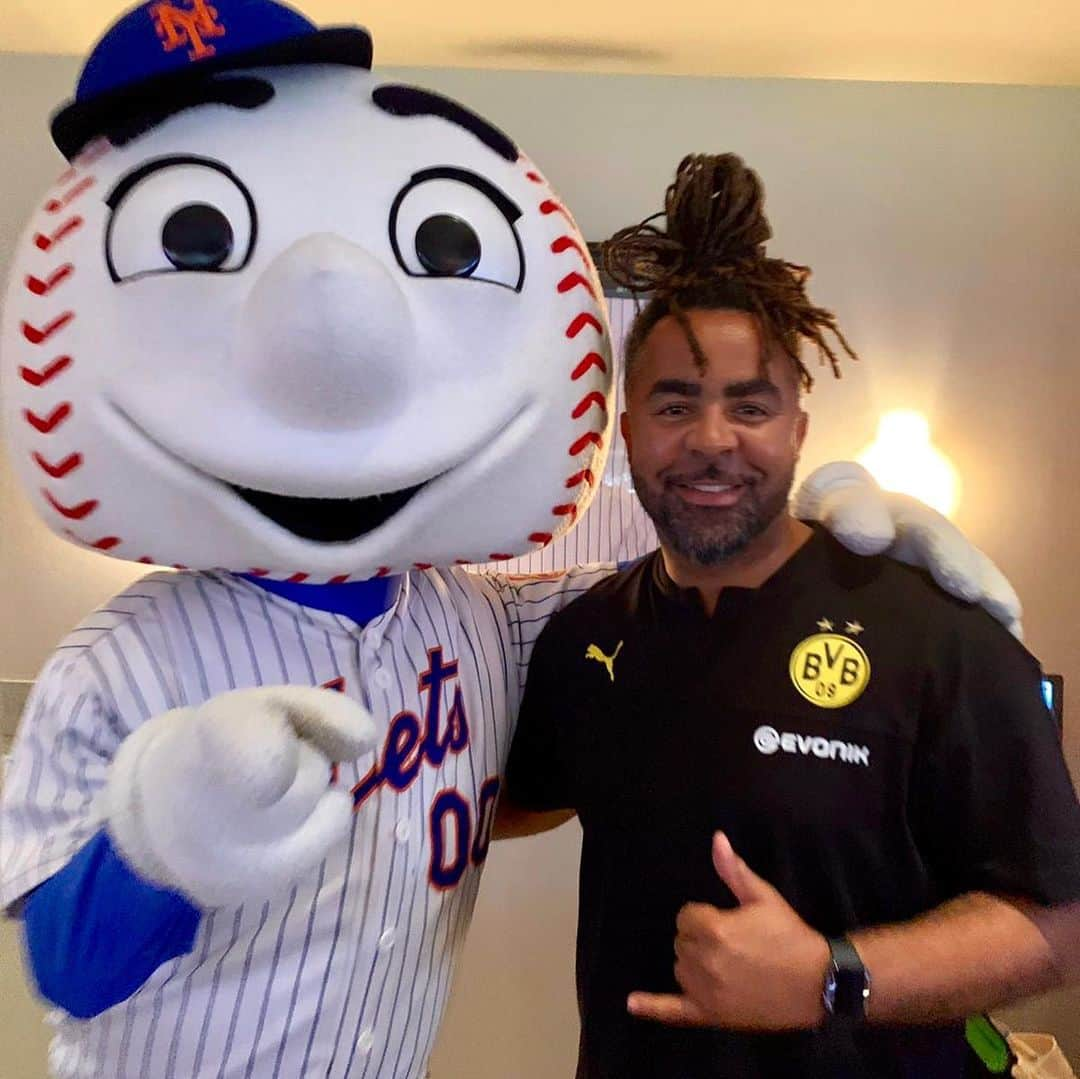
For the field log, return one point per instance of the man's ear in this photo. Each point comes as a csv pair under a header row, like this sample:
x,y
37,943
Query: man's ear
x,y
802,425
624,428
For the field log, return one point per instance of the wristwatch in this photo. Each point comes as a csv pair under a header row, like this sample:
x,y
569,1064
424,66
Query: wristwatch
x,y
847,983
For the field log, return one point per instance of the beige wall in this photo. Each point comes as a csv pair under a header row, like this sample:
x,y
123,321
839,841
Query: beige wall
x,y
943,224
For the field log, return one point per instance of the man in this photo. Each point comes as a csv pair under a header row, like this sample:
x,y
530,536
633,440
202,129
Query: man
x,y
878,752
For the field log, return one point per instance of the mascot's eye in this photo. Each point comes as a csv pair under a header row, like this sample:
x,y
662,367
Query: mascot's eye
x,y
447,246
447,222
197,237
185,215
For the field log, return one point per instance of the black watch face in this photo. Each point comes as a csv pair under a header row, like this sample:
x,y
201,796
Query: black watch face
x,y
850,993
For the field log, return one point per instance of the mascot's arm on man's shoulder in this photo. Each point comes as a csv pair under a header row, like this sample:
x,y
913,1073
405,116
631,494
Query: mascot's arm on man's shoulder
x,y
95,931
846,499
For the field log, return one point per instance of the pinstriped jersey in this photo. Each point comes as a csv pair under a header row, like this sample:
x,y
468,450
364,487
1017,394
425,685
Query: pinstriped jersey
x,y
347,973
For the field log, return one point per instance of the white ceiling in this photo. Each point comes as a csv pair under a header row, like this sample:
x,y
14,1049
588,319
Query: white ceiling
x,y
991,41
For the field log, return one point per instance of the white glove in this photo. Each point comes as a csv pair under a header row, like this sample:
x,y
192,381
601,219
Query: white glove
x,y
232,800
844,497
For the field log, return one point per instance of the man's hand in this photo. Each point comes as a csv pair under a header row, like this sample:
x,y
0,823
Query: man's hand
x,y
757,967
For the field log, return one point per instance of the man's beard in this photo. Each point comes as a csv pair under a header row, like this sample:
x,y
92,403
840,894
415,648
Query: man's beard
x,y
709,535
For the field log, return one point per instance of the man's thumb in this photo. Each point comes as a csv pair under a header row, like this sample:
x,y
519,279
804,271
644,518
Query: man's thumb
x,y
745,885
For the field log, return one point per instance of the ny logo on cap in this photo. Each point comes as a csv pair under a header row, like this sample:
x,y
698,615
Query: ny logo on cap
x,y
178,26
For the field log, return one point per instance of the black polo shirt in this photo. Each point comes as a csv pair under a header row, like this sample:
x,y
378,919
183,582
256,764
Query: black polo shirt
x,y
871,746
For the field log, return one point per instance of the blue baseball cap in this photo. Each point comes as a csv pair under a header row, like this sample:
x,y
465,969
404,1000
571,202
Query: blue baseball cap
x,y
160,46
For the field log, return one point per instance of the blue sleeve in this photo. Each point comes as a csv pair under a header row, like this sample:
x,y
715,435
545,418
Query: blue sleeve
x,y
95,931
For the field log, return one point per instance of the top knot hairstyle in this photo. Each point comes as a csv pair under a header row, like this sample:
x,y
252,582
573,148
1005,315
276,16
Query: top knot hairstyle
x,y
711,255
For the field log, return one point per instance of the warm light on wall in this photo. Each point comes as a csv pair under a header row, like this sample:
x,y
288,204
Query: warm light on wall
x,y
902,458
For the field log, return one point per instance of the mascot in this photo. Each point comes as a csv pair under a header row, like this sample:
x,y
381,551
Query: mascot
x,y
311,342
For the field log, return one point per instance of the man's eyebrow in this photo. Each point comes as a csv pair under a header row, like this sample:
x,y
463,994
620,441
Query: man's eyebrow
x,y
680,387
399,100
752,387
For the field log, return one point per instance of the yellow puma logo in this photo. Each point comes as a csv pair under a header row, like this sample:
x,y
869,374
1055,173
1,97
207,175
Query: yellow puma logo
x,y
593,652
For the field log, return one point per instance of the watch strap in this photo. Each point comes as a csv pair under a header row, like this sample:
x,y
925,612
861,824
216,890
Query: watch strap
x,y
848,983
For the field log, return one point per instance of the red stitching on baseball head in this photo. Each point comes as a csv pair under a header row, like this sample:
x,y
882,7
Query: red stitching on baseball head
x,y
575,280
61,468
583,320
45,374
540,537
38,335
568,243
551,206
578,478
45,243
585,440
45,425
590,399
106,543
567,510
593,359
72,513
54,206
94,151
42,288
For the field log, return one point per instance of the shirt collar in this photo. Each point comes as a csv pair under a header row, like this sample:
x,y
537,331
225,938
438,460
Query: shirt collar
x,y
803,567
360,601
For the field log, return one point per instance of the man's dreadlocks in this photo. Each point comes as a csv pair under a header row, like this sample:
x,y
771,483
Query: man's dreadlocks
x,y
712,256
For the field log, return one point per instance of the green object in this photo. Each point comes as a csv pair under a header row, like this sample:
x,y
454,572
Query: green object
x,y
988,1044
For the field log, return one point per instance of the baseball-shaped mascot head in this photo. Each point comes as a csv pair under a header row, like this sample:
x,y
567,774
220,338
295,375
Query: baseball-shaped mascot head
x,y
282,316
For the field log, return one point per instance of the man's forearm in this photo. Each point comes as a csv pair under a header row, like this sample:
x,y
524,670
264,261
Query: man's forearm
x,y
759,966
969,955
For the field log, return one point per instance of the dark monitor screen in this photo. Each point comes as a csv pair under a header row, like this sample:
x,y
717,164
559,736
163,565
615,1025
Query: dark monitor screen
x,y
1053,687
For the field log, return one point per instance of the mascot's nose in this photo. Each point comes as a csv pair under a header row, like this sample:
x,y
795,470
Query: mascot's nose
x,y
325,336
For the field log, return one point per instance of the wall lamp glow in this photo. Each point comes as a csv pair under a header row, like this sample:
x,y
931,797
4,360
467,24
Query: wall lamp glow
x,y
903,458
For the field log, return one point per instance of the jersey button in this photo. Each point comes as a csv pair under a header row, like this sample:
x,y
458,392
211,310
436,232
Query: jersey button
x,y
365,1042
386,941
382,678
403,831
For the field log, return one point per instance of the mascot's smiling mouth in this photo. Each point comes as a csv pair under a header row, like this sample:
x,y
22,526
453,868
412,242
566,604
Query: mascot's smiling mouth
x,y
318,520
328,520
321,520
